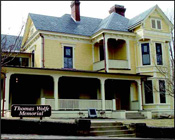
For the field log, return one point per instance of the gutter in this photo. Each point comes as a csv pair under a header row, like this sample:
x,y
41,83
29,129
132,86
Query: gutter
x,y
104,48
43,50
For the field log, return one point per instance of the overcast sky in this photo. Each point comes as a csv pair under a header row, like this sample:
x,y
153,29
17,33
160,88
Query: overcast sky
x,y
14,13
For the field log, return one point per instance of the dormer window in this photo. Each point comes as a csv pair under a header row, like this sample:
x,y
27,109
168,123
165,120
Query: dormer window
x,y
156,24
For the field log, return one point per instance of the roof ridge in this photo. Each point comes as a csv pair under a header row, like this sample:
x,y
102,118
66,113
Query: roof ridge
x,y
109,20
42,15
144,11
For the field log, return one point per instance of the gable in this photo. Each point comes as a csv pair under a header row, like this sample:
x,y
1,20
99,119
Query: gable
x,y
29,30
156,15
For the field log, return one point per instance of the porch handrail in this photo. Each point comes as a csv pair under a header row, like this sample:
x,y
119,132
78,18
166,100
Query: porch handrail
x,y
79,103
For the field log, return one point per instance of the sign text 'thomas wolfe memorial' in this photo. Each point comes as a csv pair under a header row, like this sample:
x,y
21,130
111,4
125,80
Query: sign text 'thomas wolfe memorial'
x,y
30,110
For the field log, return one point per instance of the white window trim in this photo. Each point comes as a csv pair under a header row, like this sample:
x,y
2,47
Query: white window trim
x,y
156,23
156,53
73,50
140,45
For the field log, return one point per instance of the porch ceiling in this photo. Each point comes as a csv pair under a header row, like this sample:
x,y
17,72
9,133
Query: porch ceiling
x,y
66,72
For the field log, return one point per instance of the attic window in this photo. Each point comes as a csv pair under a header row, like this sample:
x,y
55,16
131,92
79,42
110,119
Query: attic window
x,y
153,24
156,24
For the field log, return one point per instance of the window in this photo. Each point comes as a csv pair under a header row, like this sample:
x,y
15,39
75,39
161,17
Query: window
x,y
17,61
145,54
159,54
153,24
101,53
162,91
33,58
148,92
68,57
156,24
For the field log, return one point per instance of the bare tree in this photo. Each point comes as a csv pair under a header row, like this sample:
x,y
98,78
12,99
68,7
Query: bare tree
x,y
166,71
8,51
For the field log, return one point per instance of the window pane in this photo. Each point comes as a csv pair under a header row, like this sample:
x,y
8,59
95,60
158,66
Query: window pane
x,y
159,59
162,91
145,54
153,24
159,53
25,62
148,92
158,24
68,62
145,50
68,52
146,59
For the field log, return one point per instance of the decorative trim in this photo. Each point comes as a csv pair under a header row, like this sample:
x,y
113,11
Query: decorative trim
x,y
157,33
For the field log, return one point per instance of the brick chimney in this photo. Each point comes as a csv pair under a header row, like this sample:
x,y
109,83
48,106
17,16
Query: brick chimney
x,y
118,9
75,10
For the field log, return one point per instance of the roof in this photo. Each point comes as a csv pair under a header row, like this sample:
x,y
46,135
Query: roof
x,y
114,22
137,19
87,26
10,42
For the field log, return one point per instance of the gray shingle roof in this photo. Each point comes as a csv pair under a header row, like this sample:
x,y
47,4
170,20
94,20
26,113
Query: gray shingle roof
x,y
114,22
8,42
87,26
65,24
137,19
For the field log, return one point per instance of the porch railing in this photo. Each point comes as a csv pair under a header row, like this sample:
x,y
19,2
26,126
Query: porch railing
x,y
116,64
79,103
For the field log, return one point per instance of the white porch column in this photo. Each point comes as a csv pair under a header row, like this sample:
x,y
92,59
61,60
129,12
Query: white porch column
x,y
102,86
140,95
113,104
7,87
56,79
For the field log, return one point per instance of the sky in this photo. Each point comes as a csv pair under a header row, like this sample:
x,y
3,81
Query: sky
x,y
14,13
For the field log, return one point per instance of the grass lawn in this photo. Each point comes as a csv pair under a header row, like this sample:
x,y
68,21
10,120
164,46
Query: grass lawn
x,y
152,122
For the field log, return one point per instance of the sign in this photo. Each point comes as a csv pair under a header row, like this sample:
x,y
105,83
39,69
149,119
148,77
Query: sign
x,y
92,113
30,110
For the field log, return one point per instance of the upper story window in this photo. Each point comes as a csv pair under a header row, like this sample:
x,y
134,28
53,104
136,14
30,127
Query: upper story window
x,y
162,91
156,24
17,61
148,88
159,54
145,54
68,57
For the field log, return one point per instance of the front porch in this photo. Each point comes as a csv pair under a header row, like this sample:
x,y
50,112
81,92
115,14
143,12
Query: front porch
x,y
73,91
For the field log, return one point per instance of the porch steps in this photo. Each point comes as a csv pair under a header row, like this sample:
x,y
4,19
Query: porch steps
x,y
110,129
135,115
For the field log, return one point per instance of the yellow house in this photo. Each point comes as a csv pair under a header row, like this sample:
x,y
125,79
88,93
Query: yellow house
x,y
76,63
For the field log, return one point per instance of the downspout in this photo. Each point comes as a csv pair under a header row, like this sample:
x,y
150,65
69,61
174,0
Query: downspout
x,y
104,48
3,95
43,50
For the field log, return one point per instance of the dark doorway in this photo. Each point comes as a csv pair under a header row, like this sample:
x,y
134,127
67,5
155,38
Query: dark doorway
x,y
120,91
